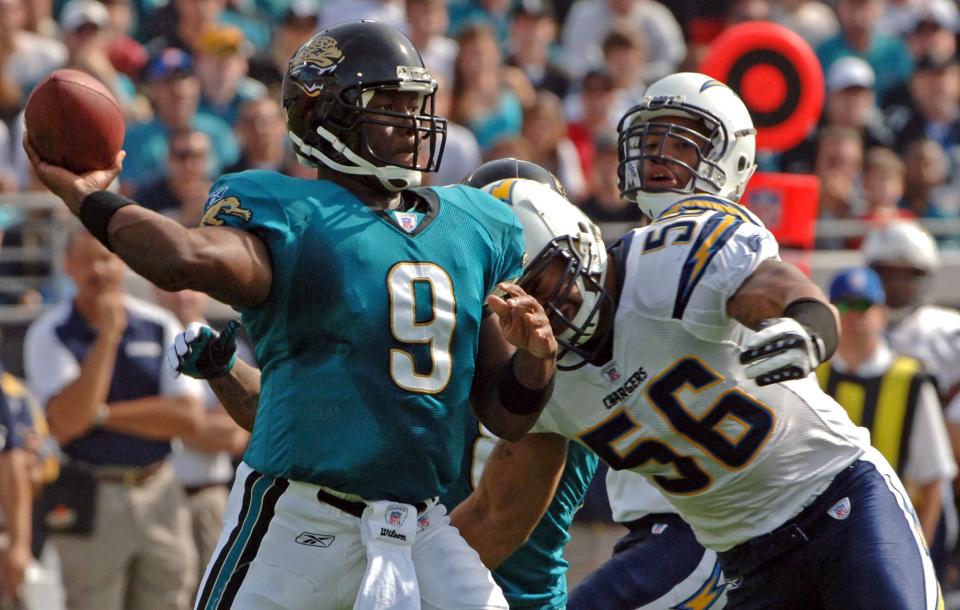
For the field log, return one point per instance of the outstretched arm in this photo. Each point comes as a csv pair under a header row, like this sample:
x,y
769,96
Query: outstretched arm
x,y
230,265
515,365
518,483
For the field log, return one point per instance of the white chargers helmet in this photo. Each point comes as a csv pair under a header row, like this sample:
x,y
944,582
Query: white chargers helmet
x,y
905,256
726,148
556,230
902,242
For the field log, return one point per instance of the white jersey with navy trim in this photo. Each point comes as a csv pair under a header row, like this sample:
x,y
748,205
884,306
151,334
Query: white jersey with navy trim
x,y
735,459
931,334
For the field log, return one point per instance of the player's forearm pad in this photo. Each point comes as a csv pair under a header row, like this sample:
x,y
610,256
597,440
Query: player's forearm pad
x,y
818,317
518,398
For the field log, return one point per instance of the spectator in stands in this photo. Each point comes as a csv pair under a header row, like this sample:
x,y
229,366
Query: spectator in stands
x,y
426,27
97,365
126,54
298,24
813,20
221,66
588,22
492,14
884,183
545,129
929,29
624,55
927,193
839,165
461,153
16,500
488,97
261,132
43,589
888,56
26,57
203,459
181,192
933,108
851,102
933,28
889,394
532,34
180,23
85,30
591,113
174,92
605,203
518,148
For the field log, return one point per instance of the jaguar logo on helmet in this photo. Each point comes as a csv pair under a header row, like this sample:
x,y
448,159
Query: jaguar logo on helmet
x,y
324,52
318,56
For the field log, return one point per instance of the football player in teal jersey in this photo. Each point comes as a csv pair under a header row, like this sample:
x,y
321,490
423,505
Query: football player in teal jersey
x,y
368,301
534,576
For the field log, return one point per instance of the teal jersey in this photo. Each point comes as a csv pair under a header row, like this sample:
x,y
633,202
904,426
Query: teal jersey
x,y
535,576
368,340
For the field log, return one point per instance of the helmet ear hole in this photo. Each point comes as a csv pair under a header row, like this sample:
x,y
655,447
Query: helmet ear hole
x,y
742,164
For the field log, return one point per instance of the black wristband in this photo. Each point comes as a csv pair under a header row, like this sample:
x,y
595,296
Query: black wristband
x,y
97,209
518,398
818,317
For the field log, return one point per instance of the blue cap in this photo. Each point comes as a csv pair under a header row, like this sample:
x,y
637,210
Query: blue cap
x,y
857,284
171,61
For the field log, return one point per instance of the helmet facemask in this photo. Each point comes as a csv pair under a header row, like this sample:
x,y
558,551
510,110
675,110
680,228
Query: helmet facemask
x,y
573,264
344,145
686,108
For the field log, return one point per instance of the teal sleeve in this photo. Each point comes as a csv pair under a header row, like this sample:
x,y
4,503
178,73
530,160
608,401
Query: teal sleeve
x,y
244,202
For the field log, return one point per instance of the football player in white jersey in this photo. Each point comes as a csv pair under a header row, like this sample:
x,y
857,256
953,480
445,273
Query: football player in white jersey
x,y
906,257
713,340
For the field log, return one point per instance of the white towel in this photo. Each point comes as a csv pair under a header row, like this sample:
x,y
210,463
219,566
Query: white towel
x,y
388,530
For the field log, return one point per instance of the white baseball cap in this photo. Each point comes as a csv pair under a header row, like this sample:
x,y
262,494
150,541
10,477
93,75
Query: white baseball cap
x,y
77,13
849,72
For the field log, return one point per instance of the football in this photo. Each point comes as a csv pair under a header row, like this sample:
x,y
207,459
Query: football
x,y
74,121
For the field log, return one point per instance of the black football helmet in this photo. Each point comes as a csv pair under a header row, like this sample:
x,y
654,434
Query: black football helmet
x,y
326,88
511,167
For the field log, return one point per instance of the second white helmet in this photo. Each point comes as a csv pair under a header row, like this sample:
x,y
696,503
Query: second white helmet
x,y
555,229
902,242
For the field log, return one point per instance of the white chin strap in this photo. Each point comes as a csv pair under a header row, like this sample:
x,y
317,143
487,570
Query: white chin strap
x,y
393,179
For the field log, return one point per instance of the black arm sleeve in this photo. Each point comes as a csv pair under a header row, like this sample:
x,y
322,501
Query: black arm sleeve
x,y
818,318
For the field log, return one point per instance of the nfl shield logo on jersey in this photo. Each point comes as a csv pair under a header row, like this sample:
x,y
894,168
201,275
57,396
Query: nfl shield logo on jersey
x,y
407,221
396,514
840,510
610,372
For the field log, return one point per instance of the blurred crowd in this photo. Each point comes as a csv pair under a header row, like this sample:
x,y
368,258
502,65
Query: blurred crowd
x,y
542,80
